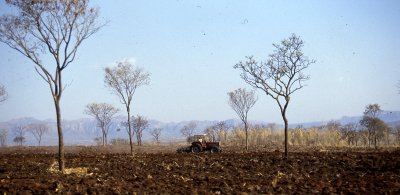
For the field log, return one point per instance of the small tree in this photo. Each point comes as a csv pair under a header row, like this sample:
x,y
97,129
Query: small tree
x,y
56,27
280,76
241,101
139,124
103,113
3,93
188,129
123,81
38,130
19,132
373,124
3,137
156,133
349,133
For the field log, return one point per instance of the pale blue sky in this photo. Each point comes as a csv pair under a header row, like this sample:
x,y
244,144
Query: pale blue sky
x,y
190,48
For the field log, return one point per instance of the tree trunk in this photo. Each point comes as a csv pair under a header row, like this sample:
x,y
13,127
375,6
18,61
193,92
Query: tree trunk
x,y
283,113
105,139
104,136
247,134
369,138
61,162
286,133
375,139
138,136
130,129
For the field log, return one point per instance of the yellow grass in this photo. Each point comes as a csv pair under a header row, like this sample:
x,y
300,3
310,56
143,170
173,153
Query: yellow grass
x,y
79,171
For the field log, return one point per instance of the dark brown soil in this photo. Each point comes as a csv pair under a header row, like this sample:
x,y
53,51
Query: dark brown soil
x,y
27,172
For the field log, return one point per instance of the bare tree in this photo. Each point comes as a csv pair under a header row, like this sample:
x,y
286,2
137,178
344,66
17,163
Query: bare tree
x,y
139,124
123,81
38,130
188,129
374,125
241,102
376,129
156,133
3,93
103,113
56,27
19,132
280,76
349,133
3,137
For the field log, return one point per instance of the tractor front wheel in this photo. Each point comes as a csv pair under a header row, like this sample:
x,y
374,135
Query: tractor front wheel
x,y
214,150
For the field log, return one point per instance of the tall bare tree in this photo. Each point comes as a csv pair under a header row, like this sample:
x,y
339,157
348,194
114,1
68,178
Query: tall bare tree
x,y
241,102
3,93
139,124
156,133
103,113
19,132
123,80
38,130
280,76
56,28
3,137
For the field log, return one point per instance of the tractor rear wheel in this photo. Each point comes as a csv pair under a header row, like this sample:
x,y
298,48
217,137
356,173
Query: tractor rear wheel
x,y
196,149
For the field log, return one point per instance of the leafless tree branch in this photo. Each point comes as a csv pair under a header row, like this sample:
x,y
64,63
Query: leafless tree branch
x,y
55,27
139,124
123,80
156,133
103,113
38,130
241,101
281,75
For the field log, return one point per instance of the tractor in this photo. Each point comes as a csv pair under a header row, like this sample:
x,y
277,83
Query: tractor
x,y
200,144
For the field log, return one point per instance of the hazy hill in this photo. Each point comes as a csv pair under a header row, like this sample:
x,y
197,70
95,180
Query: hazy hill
x,y
83,131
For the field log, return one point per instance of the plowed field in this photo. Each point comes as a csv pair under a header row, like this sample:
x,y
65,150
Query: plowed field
x,y
96,172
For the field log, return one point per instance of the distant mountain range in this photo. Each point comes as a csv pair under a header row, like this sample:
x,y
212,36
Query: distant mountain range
x,y
390,117
83,131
